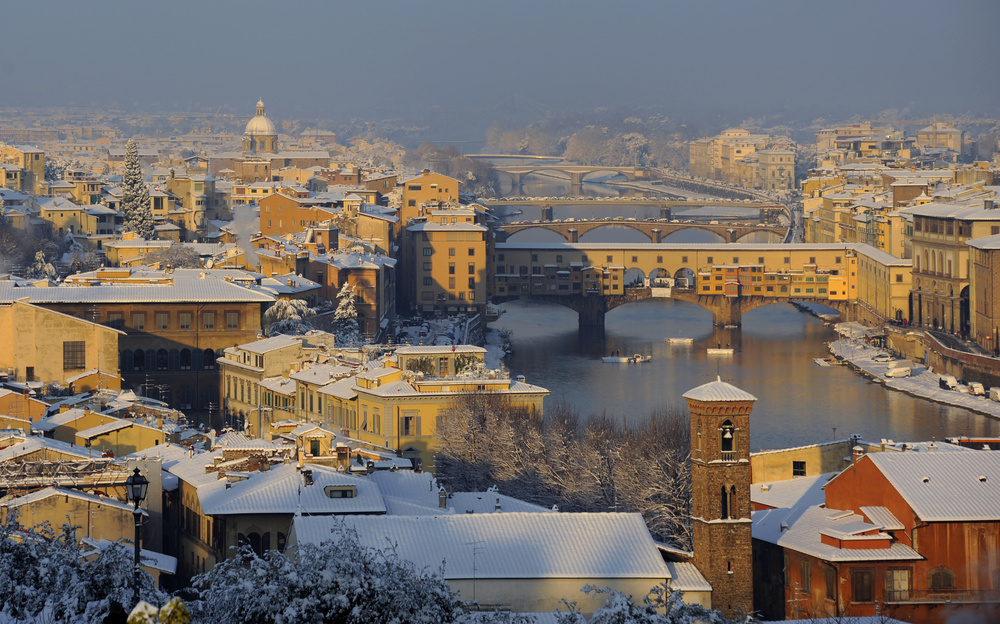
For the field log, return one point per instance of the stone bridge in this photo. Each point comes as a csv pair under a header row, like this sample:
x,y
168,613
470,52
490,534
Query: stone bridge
x,y
592,309
656,231
575,173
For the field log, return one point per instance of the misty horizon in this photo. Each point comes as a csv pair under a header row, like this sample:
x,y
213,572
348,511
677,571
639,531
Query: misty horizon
x,y
512,60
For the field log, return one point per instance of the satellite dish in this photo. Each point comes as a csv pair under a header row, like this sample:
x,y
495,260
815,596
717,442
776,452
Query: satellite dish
x,y
209,263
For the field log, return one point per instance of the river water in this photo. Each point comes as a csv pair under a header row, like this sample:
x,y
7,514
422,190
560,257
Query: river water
x,y
798,402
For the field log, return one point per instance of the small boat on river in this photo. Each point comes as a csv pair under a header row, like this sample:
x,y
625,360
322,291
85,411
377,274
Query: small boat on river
x,y
627,359
720,350
680,340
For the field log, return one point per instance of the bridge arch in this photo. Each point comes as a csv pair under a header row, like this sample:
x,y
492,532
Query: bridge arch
x,y
684,277
616,225
558,235
712,236
771,237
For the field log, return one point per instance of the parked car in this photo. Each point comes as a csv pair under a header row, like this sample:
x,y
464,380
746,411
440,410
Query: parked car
x,y
881,357
948,382
899,369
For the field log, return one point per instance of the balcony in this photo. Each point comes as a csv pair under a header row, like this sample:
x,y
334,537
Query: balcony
x,y
728,456
942,596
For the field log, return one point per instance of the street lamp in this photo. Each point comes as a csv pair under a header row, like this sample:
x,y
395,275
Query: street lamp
x,y
135,490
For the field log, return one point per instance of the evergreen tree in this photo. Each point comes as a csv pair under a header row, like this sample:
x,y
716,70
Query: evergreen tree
x,y
135,196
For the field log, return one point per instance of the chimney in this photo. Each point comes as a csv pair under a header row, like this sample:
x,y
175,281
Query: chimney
x,y
442,498
989,204
229,484
307,477
856,453
496,507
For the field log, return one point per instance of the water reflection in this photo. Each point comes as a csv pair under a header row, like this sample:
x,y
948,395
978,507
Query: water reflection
x,y
798,401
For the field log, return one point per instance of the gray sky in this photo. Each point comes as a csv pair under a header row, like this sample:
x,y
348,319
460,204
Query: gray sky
x,y
371,58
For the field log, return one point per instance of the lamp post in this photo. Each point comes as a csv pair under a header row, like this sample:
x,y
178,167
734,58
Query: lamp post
x,y
135,490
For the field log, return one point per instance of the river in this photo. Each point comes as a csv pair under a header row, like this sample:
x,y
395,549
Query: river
x,y
798,403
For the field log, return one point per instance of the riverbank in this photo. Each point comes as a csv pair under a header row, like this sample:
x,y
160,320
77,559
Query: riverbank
x,y
922,383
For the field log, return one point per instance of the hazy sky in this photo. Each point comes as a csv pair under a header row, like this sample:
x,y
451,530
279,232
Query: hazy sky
x,y
371,57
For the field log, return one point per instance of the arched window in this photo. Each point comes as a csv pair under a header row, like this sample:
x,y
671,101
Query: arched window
x,y
254,540
184,397
732,502
196,361
150,359
161,360
185,359
724,497
174,360
126,363
941,577
728,437
139,360
281,542
209,359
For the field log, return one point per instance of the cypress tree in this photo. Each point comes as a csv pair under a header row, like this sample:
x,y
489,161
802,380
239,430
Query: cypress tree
x,y
135,196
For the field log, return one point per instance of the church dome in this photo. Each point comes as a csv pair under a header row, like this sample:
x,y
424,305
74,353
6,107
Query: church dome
x,y
260,124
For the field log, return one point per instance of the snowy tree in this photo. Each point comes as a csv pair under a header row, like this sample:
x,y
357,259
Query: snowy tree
x,y
345,318
42,268
661,606
336,581
135,195
484,440
44,574
287,316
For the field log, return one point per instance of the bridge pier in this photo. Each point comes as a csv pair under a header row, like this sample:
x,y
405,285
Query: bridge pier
x,y
591,313
575,179
574,235
657,235
516,177
728,311
546,213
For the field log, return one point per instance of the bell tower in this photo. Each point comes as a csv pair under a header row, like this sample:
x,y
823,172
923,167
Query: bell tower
x,y
720,488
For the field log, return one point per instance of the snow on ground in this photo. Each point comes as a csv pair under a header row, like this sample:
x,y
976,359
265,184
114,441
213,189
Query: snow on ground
x,y
494,352
923,382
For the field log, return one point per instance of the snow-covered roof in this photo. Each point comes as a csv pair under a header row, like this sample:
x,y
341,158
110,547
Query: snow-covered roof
x,y
148,558
986,242
791,492
800,529
270,344
214,290
114,424
36,443
321,374
57,420
438,349
282,490
342,389
686,577
77,494
509,545
718,390
943,487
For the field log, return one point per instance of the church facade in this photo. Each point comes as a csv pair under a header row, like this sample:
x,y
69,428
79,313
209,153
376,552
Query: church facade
x,y
260,154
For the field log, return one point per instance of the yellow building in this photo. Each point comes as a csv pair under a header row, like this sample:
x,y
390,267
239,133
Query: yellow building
x,y
737,156
31,160
131,248
22,406
400,407
884,283
448,266
424,188
95,517
941,266
984,289
37,344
